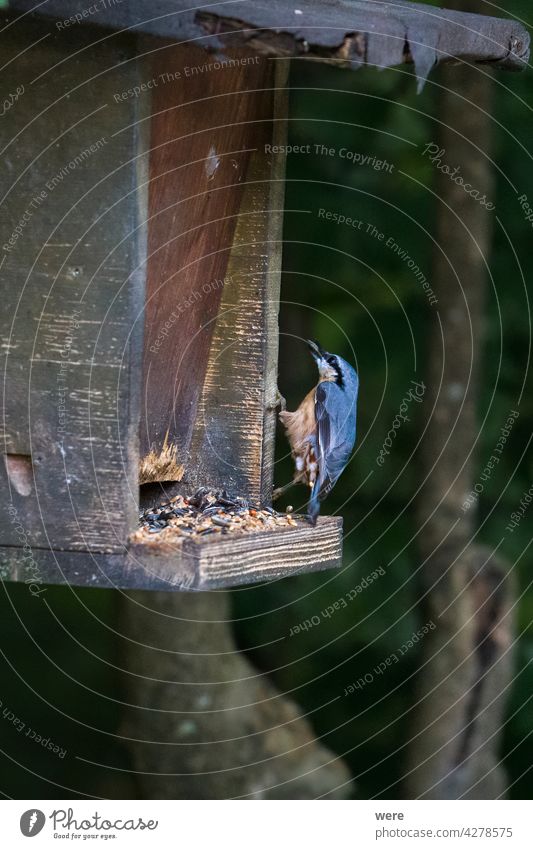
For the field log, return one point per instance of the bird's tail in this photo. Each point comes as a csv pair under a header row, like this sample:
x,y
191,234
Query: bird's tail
x,y
313,507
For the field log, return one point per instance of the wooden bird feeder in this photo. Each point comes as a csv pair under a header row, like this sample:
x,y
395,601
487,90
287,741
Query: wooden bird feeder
x,y
141,240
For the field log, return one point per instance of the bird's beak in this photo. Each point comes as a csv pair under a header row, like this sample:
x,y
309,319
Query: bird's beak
x,y
315,349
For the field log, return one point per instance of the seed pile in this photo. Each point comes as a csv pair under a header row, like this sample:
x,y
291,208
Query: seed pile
x,y
206,513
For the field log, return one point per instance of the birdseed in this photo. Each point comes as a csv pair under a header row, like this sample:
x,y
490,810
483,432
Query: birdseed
x,y
207,513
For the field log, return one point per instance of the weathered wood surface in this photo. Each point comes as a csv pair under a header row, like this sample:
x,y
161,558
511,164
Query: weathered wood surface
x,y
192,565
214,263
71,291
359,32
233,442
200,145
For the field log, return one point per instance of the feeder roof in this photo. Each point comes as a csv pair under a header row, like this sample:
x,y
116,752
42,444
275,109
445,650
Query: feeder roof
x,y
350,32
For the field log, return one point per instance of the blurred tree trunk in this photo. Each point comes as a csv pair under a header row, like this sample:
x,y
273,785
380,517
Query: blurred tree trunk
x,y
459,705
204,724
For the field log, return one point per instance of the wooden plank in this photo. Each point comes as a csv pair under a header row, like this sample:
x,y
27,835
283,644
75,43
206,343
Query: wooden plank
x,y
79,497
355,33
71,287
214,263
276,555
198,135
233,444
193,565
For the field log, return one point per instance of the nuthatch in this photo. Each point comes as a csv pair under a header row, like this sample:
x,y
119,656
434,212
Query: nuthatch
x,y
321,432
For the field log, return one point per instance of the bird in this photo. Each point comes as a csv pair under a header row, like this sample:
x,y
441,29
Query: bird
x,y
322,431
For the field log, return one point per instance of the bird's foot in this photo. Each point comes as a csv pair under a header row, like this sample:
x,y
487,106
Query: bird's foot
x,y
281,489
279,402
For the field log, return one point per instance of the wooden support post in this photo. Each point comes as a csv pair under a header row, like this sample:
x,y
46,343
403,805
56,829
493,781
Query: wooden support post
x,y
203,723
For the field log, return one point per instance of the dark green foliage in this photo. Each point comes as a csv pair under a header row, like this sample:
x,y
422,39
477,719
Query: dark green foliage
x,y
347,289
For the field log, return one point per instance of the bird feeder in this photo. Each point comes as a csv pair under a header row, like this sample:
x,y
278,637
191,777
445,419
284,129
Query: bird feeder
x,y
141,243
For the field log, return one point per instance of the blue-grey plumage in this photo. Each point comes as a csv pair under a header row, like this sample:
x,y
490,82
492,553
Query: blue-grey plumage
x,y
322,430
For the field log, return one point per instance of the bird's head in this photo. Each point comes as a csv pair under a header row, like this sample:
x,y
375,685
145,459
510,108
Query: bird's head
x,y
332,367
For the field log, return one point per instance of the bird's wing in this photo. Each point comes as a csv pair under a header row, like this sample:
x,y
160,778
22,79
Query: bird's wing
x,y
335,418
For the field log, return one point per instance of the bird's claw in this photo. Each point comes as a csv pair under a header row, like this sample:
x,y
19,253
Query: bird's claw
x,y
279,402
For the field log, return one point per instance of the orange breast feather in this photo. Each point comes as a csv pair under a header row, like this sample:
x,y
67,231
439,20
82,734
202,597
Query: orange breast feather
x,y
300,426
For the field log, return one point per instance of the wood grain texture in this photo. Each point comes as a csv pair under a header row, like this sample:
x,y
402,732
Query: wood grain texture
x,y
191,565
200,146
272,284
71,289
355,33
214,263
233,443
275,555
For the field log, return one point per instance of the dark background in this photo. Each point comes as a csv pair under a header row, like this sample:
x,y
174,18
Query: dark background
x,y
360,300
